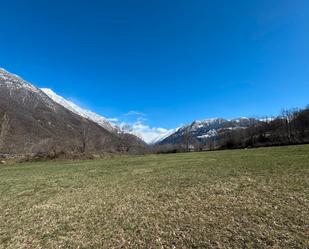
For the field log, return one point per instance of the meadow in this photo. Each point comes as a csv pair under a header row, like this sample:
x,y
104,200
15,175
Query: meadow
x,y
251,198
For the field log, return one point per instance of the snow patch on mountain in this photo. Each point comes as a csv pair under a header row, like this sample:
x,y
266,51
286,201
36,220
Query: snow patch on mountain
x,y
100,120
209,134
137,128
15,82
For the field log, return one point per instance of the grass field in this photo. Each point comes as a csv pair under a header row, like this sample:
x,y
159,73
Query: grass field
x,y
255,198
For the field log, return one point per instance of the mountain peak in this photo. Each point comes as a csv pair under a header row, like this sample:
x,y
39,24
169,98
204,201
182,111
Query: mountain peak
x,y
211,120
4,73
202,130
13,81
33,122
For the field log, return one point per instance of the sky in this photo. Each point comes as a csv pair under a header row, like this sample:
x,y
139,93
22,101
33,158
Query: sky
x,y
159,64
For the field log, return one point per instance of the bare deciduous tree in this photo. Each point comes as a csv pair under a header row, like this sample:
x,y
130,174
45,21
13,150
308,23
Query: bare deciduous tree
x,y
84,139
187,140
4,128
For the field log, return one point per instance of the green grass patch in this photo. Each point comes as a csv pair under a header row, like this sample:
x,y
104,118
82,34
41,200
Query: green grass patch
x,y
255,198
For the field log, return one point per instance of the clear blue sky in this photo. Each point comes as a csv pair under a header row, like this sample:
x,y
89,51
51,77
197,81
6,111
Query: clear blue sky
x,y
174,61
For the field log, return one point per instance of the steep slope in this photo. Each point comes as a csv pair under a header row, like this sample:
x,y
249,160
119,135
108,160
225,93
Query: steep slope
x,y
102,121
202,131
137,129
31,122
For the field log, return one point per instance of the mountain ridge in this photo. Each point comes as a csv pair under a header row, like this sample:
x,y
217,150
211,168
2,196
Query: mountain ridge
x,y
31,122
102,121
202,130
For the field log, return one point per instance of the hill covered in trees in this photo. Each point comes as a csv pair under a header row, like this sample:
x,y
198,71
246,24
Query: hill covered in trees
x,y
290,127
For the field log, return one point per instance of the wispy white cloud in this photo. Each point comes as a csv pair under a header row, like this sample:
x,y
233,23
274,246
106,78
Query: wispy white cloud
x,y
133,122
137,124
134,113
147,133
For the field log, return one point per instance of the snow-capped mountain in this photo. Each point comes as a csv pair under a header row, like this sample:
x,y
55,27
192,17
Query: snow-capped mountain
x,y
149,134
13,83
32,122
100,120
203,130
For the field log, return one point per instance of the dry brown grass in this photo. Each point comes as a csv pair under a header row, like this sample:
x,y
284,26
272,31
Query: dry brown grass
x,y
227,199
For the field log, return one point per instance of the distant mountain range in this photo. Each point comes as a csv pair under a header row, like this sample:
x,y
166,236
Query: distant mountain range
x,y
33,119
205,130
199,130
32,122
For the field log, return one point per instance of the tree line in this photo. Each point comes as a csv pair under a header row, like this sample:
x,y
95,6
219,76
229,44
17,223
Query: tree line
x,y
290,127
